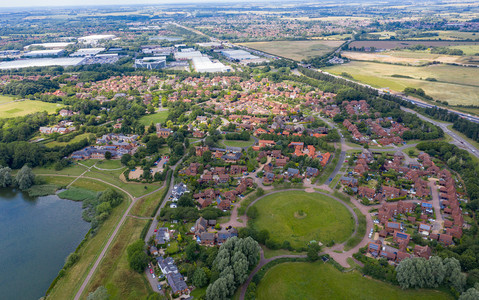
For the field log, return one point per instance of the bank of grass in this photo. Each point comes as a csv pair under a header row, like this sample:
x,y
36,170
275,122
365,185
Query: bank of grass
x,y
268,253
72,170
300,217
335,181
25,107
42,190
354,240
470,141
296,50
145,206
59,181
302,280
67,286
77,194
159,117
73,140
455,84
114,272
109,164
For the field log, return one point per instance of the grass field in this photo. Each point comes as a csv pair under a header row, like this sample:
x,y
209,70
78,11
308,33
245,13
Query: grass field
x,y
296,50
159,117
144,207
324,218
67,286
5,99
383,44
22,108
114,272
77,194
414,58
457,85
323,281
73,140
238,143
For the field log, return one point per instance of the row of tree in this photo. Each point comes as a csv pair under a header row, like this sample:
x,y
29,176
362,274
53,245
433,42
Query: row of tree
x,y
23,180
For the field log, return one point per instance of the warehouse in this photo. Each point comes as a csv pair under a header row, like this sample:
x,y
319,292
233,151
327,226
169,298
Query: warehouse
x,y
44,53
187,55
238,55
151,63
41,62
204,64
95,39
56,45
87,52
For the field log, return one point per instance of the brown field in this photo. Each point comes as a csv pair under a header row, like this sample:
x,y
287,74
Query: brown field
x,y
413,58
405,44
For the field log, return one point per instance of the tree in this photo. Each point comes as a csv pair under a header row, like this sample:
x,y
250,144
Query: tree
x,y
108,155
313,251
218,290
200,279
125,158
136,255
101,293
5,177
470,294
192,251
25,178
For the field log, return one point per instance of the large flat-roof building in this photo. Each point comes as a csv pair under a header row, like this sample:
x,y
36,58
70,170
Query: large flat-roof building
x,y
95,39
44,53
204,64
151,63
55,45
238,55
87,52
187,55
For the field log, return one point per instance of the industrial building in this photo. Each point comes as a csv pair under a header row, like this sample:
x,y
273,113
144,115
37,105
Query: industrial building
x,y
56,45
204,64
44,53
238,55
95,39
41,62
87,52
187,55
151,63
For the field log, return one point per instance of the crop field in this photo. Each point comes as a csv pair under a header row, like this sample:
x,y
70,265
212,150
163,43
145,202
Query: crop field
x,y
159,117
299,217
322,281
414,58
405,44
22,108
296,50
457,85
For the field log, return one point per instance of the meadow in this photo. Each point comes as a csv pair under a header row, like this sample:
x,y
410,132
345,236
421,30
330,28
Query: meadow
x,y
322,281
238,143
73,140
300,217
388,44
296,50
25,107
455,84
159,117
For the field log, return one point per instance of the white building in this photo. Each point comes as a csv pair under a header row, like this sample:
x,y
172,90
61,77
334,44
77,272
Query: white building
x,y
88,52
157,62
56,45
238,55
187,55
44,53
95,39
204,64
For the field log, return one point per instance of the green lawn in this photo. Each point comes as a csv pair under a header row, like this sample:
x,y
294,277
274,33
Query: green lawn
x,y
144,207
323,281
159,117
109,164
268,253
296,50
455,84
74,140
5,99
22,108
74,170
325,219
238,143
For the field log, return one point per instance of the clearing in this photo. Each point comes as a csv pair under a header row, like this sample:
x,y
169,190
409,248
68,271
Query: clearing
x,y
300,217
455,84
25,107
296,50
159,117
323,281
238,143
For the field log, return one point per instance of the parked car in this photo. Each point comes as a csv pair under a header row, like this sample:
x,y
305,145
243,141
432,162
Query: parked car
x,y
151,271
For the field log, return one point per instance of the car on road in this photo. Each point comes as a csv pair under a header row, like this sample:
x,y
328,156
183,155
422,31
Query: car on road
x,y
159,286
156,230
151,271
153,276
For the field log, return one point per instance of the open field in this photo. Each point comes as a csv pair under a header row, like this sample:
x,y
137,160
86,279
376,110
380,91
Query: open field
x,y
159,117
415,58
299,217
74,170
467,49
457,85
238,143
296,50
5,99
144,207
114,272
22,108
323,281
73,140
67,286
449,35
384,44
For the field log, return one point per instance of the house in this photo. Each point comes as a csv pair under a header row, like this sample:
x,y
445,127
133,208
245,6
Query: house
x,y
446,239
292,172
162,236
311,172
374,248
422,251
392,226
224,234
177,283
366,192
207,238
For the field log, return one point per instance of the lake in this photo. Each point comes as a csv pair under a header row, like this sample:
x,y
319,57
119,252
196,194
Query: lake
x,y
36,235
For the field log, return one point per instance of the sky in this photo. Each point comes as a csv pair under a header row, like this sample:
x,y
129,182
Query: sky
x,y
27,3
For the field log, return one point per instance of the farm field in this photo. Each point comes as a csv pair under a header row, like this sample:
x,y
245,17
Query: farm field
x,y
22,108
450,35
322,281
384,44
158,117
300,217
5,99
296,50
415,58
457,85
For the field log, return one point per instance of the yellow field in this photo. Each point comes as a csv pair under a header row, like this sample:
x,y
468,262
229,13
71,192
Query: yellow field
x,y
22,108
457,85
296,50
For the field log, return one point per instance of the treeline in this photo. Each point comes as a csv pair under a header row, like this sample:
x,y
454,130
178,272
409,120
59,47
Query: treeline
x,y
98,209
29,87
243,136
22,128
